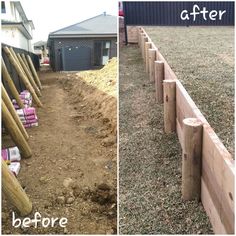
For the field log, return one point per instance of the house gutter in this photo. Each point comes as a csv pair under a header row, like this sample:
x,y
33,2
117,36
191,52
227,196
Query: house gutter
x,y
83,36
20,26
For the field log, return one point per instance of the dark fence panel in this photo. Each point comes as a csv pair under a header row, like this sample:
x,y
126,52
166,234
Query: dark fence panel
x,y
18,83
168,13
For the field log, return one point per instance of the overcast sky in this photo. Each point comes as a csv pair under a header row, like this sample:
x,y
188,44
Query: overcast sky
x,y
51,15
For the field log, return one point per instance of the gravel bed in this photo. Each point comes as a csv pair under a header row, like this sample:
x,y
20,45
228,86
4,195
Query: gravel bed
x,y
150,161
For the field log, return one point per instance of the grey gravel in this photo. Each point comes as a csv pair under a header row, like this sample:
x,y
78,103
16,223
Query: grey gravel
x,y
150,161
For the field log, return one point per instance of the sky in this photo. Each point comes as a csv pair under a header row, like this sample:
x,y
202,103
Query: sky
x,y
51,15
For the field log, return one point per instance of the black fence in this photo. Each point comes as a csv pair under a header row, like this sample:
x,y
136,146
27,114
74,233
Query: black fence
x,y
11,70
169,13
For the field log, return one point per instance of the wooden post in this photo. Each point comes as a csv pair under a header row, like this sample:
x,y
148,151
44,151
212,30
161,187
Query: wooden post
x,y
139,39
148,45
169,106
145,39
31,79
11,85
14,192
22,76
15,132
34,71
151,60
159,77
12,110
141,42
26,62
14,54
192,159
16,58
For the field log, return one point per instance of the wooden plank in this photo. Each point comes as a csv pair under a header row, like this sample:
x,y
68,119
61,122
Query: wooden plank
x,y
179,131
132,33
217,170
210,209
184,104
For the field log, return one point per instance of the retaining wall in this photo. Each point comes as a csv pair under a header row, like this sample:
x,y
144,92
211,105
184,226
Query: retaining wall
x,y
218,171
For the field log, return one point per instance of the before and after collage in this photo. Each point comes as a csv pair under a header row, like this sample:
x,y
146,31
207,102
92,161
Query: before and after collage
x,y
117,117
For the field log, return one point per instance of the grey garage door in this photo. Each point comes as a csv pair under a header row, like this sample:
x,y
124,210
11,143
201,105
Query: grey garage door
x,y
76,58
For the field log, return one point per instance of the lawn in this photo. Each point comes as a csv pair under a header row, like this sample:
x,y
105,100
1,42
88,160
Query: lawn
x,y
203,60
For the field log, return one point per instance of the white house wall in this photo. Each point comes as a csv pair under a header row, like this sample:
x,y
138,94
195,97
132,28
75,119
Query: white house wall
x,y
13,37
11,13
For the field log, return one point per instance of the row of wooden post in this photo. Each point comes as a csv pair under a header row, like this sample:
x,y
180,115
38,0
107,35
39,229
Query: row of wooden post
x,y
165,92
28,75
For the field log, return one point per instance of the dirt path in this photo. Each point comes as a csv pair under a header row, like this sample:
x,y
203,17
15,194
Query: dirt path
x,y
150,161
68,150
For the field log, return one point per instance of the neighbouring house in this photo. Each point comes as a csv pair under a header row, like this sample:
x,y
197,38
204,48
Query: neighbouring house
x,y
84,45
16,28
41,50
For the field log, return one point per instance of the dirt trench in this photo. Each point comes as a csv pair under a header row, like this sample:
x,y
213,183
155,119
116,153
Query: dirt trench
x,y
72,172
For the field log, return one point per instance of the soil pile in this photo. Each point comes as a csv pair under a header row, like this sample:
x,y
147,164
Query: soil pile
x,y
96,88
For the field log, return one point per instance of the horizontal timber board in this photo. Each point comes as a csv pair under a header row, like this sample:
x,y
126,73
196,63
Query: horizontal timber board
x,y
132,32
218,170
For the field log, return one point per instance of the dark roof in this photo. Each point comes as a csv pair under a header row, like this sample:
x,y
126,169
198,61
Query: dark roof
x,y
99,25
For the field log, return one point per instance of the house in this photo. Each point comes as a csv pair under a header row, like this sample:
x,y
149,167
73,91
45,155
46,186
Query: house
x,y
84,45
16,28
40,49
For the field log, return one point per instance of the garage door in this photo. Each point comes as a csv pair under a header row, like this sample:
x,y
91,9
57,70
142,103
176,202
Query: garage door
x,y
76,58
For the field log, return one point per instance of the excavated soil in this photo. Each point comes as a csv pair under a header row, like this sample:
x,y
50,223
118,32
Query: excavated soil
x,y
72,172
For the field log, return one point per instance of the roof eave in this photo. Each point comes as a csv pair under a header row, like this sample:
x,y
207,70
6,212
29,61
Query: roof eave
x,y
83,35
20,10
20,26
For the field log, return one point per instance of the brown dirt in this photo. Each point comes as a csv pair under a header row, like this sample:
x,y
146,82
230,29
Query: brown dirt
x,y
75,143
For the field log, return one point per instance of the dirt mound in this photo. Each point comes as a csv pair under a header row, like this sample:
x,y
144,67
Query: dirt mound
x,y
96,88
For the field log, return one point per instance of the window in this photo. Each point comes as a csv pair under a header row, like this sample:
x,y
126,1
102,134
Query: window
x,y
37,47
3,7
